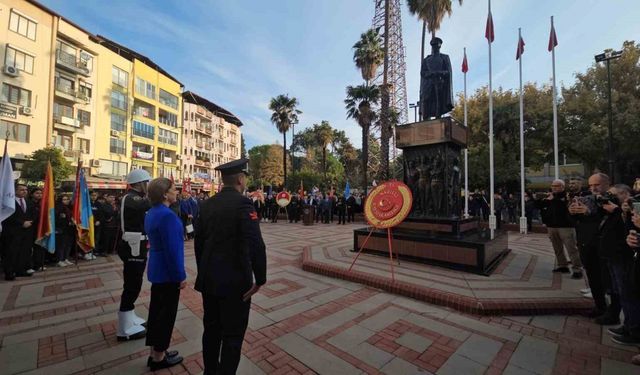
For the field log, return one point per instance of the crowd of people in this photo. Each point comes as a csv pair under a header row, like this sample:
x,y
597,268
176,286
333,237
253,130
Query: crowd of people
x,y
594,230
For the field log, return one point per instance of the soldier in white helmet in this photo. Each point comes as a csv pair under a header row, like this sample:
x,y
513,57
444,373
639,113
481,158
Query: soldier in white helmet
x,y
132,250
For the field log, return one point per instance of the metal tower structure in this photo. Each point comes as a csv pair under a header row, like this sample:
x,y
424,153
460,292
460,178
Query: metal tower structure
x,y
396,67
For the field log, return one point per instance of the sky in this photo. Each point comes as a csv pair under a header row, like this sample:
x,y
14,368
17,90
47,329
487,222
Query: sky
x,y
241,53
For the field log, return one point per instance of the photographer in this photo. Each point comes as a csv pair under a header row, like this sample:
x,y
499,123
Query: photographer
x,y
555,215
633,240
614,249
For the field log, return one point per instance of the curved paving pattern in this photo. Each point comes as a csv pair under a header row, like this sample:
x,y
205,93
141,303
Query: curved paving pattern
x,y
522,284
63,322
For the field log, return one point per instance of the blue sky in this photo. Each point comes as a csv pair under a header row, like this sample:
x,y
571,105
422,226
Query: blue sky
x,y
240,53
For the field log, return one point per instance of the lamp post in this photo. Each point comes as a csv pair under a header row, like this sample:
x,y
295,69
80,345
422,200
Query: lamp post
x,y
415,110
606,57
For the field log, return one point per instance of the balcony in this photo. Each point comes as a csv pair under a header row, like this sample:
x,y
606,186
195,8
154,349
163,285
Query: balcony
x,y
137,154
66,92
207,164
65,123
208,130
199,162
72,63
168,140
199,127
72,155
199,144
207,146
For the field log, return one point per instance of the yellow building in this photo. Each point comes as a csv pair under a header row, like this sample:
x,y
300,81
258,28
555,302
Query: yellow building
x,y
140,114
96,100
28,45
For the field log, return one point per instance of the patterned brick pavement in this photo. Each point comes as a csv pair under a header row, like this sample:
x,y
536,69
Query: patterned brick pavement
x,y
63,322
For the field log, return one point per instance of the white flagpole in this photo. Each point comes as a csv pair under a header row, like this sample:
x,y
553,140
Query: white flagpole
x,y
555,108
492,216
466,150
523,218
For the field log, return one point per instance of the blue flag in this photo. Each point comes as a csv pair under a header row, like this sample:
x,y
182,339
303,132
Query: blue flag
x,y
347,190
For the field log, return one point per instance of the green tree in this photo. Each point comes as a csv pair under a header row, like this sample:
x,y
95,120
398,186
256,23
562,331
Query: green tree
x,y
360,104
368,54
431,12
284,115
243,147
35,168
325,137
265,166
585,109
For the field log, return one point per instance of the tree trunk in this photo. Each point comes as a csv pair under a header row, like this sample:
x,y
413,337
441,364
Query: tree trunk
x,y
284,158
385,101
324,161
365,156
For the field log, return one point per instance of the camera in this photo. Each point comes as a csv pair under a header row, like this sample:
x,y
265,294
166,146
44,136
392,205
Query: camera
x,y
607,198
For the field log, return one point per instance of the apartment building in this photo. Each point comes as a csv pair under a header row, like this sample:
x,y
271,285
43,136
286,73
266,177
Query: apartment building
x,y
96,100
27,41
211,136
142,108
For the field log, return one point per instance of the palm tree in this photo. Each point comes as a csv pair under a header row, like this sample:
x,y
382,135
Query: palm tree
x,y
431,12
284,115
359,105
368,54
325,137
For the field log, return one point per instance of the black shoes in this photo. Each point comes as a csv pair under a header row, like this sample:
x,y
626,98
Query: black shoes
x,y
562,270
619,331
626,340
167,353
165,363
595,313
576,275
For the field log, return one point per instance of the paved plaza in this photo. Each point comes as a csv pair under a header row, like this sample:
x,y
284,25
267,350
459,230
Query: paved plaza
x,y
63,321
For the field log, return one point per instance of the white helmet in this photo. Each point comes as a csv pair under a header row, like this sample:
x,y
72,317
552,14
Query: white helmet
x,y
138,175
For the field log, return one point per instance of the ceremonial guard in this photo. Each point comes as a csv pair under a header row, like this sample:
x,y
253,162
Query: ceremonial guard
x,y
132,250
232,265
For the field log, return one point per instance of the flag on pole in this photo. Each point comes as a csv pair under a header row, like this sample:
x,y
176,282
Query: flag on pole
x,y
186,185
47,222
520,49
489,32
301,191
553,39
465,65
82,214
347,190
171,177
7,189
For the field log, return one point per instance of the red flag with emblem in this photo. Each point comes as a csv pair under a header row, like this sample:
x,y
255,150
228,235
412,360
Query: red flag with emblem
x,y
553,39
489,32
520,49
465,65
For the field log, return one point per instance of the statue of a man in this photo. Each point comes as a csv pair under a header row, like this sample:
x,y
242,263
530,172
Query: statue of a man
x,y
436,97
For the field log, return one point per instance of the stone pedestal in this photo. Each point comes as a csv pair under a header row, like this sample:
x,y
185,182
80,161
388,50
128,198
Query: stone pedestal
x,y
434,231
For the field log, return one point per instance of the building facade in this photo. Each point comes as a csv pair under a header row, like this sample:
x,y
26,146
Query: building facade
x,y
211,136
98,101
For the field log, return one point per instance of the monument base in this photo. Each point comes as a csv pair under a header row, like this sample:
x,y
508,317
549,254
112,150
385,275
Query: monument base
x,y
475,252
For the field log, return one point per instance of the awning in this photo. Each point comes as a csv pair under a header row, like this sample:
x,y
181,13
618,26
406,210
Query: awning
x,y
113,185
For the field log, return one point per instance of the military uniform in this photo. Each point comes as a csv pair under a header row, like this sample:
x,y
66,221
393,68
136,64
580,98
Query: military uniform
x,y
134,209
230,254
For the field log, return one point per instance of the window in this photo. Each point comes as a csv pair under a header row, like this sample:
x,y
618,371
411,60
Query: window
x,y
113,168
66,85
168,99
15,95
168,118
84,145
18,60
168,137
186,115
143,109
84,90
60,110
119,77
118,122
143,130
64,141
22,25
144,88
118,100
116,146
84,117
17,132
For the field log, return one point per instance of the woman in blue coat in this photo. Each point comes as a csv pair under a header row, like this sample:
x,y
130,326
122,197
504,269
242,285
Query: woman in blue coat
x,y
165,271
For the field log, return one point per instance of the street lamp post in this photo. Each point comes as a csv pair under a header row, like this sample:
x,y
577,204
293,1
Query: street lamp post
x,y
607,57
415,110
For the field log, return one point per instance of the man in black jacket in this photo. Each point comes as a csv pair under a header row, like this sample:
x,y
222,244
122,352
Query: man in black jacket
x,y
555,214
232,265
18,229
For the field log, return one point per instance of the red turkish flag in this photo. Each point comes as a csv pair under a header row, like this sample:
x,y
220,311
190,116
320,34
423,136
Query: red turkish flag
x,y
489,32
553,39
520,49
465,64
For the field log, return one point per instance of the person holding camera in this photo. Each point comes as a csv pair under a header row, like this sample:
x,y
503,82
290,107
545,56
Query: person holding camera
x,y
562,233
633,241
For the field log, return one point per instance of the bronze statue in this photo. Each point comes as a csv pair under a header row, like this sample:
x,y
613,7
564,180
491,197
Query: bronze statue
x,y
436,96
